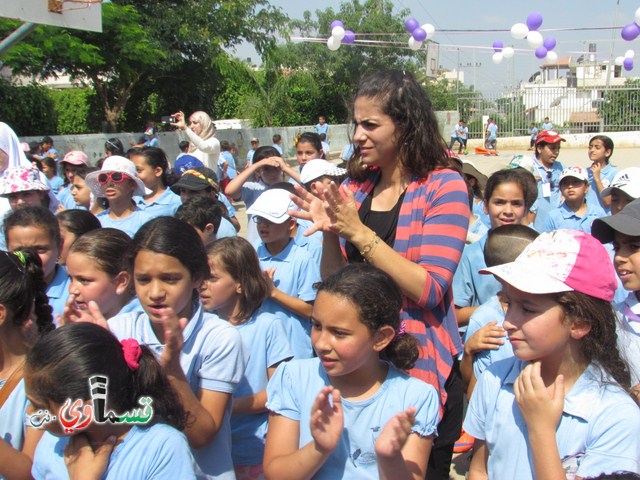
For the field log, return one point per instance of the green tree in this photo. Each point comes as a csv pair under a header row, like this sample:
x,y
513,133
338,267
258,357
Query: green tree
x,y
620,108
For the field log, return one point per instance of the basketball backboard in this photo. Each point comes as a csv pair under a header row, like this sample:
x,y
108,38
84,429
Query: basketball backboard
x,y
76,14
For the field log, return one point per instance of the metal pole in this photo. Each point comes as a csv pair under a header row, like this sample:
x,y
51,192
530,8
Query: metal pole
x,y
16,36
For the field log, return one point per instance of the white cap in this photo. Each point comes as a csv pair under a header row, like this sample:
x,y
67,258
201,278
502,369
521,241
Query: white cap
x,y
273,205
317,168
575,172
627,180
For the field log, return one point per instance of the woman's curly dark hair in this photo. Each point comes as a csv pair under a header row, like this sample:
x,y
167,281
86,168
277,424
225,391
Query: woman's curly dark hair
x,y
378,300
421,148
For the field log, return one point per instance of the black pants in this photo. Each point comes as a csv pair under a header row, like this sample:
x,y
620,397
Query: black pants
x,y
448,428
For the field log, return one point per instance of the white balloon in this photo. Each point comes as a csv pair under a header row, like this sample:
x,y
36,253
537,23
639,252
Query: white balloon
x,y
333,44
534,39
629,54
430,29
338,33
638,16
552,57
414,44
497,57
619,61
507,52
519,31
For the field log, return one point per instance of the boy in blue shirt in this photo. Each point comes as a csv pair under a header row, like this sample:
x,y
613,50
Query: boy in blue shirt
x,y
290,267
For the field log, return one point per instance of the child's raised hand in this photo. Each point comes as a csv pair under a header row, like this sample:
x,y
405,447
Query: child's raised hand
x,y
173,341
395,433
83,462
541,406
327,422
72,314
489,337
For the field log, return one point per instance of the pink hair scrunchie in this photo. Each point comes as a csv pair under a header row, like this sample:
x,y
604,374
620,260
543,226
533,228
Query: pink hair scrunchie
x,y
132,353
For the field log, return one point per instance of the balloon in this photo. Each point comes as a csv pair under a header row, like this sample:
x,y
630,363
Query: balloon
x,y
519,31
497,58
498,45
628,64
430,29
534,39
541,52
419,34
534,20
549,43
411,24
619,61
338,33
630,32
552,57
629,54
336,23
638,16
333,44
507,52
349,37
414,44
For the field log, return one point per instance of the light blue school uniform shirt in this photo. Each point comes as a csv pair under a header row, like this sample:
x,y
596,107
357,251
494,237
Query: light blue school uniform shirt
x,y
66,199
158,452
476,230
230,208
129,225
293,389
312,243
597,433
55,183
325,148
471,288
564,217
545,204
322,129
226,229
58,291
478,210
231,165
485,313
492,131
628,330
13,416
296,273
606,177
265,339
213,358
278,148
165,205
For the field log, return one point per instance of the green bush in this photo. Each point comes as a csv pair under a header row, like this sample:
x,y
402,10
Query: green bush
x,y
77,110
29,110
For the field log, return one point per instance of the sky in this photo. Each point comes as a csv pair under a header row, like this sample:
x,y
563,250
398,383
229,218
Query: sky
x,y
474,48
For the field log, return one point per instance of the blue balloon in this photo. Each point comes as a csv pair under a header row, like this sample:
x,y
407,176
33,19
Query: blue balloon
x,y
541,52
411,24
349,37
549,43
337,23
534,20
419,34
628,64
498,46
630,32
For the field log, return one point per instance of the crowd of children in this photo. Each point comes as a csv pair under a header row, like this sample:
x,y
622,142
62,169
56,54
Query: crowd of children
x,y
260,364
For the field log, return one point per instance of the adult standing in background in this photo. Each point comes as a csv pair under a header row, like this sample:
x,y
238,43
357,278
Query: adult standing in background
x,y
201,135
403,210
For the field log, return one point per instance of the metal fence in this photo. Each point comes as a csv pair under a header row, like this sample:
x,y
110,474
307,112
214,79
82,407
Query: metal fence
x,y
587,109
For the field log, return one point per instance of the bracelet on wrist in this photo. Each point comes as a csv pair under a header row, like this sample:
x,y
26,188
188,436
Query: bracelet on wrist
x,y
368,249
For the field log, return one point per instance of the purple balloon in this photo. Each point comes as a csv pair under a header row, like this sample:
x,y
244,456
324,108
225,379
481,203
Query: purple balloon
x,y
498,46
628,64
419,34
411,24
349,37
630,32
337,23
541,52
534,20
549,43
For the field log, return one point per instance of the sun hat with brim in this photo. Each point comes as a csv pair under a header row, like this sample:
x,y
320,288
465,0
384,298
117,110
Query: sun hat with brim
x,y
627,180
197,179
75,157
561,261
317,168
21,179
627,222
523,161
574,172
549,136
469,168
112,164
274,205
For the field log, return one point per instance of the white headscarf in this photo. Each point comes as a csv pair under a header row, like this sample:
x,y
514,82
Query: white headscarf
x,y
10,145
208,127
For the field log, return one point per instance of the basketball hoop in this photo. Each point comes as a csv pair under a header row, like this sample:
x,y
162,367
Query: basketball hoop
x,y
56,6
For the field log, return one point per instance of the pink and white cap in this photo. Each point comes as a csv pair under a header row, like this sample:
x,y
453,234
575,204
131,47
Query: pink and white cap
x,y
561,261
